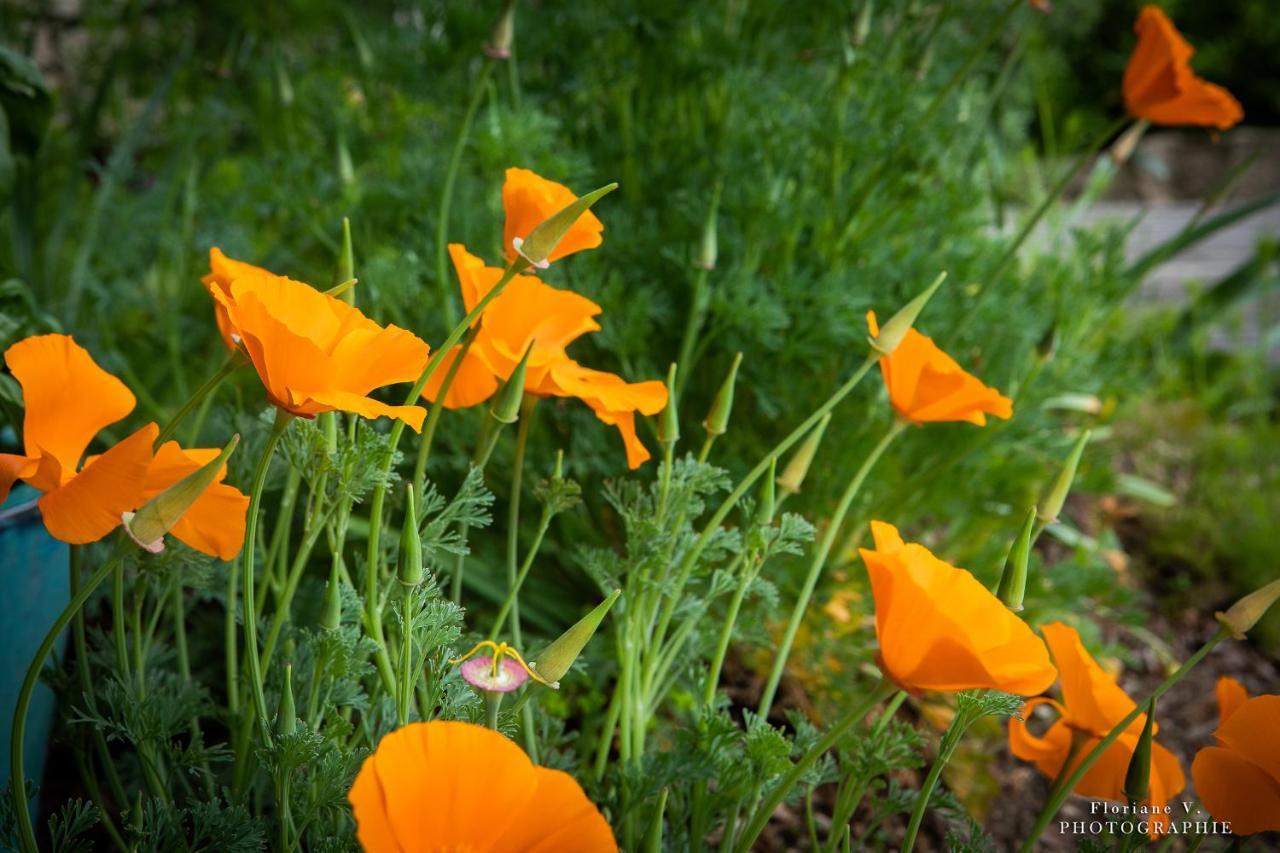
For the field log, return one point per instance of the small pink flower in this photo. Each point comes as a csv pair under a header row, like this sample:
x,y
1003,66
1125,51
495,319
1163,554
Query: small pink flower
x,y
503,678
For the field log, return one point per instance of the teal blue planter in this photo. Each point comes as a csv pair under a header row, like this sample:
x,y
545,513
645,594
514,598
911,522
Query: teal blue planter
x,y
35,587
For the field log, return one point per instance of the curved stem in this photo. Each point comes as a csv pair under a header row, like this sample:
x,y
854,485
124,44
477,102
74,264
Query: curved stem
x,y
1069,783
233,362
946,747
726,632
833,736
17,772
818,562
437,408
247,570
513,515
405,693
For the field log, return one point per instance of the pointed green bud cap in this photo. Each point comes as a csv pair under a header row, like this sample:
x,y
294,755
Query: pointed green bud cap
x,y
1137,780
862,27
1057,496
1013,580
287,716
543,239
505,407
708,246
1246,612
768,494
157,516
409,566
499,44
331,612
554,661
798,468
895,329
717,422
669,420
346,169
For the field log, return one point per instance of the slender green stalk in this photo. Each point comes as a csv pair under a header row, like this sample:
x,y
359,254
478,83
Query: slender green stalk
x,y
726,631
231,642
834,735
450,178
507,603
513,514
232,363
283,612
249,611
437,408
819,561
405,694
17,736
1057,798
693,322
946,747
847,802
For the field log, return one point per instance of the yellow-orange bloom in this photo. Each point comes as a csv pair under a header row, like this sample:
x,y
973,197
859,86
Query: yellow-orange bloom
x,y
927,386
1238,780
222,271
69,399
1092,705
457,786
530,315
1160,86
940,629
529,199
315,353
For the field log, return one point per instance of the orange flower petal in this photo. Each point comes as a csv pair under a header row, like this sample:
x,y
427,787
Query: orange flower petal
x,y
473,384
214,524
92,502
1252,731
12,469
68,400
559,817
1047,752
530,315
529,199
223,271
475,277
614,400
1094,702
1160,86
315,402
1231,695
940,629
1236,790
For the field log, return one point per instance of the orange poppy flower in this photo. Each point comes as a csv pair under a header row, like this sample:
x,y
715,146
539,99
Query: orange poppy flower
x,y
529,199
530,315
222,271
69,399
1239,779
315,353
1160,86
1092,704
458,786
940,629
927,386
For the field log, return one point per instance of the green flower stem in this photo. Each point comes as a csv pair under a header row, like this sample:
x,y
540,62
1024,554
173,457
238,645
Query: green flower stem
x,y
507,603
693,322
405,694
233,362
492,702
1058,797
713,524
450,178
278,546
819,561
527,407
283,612
883,690
17,772
848,800
726,632
946,748
373,562
437,408
250,626
178,611
230,640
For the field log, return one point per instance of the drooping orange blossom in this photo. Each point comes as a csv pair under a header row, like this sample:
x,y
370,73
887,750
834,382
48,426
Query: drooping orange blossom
x,y
940,629
531,315
1238,780
68,400
458,786
313,352
1159,85
926,385
1092,705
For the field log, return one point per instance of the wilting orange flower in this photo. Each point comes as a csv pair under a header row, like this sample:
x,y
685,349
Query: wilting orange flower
x,y
530,315
1160,86
458,786
529,199
940,629
315,353
1092,705
69,399
927,386
1239,779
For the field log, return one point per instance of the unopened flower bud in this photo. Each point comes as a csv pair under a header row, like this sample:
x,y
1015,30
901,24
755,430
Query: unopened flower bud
x,y
862,26
346,170
768,494
669,420
1057,496
287,716
505,407
157,516
1137,779
708,247
556,659
717,421
547,234
1246,612
409,567
798,468
499,44
1013,579
331,611
886,339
